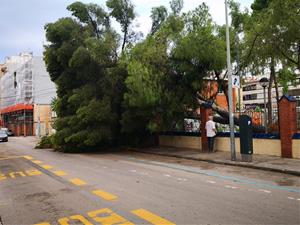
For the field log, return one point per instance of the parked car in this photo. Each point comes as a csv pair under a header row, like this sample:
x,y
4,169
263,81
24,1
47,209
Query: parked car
x,y
9,132
3,136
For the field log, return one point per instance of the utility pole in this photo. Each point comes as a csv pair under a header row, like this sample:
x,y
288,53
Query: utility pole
x,y
230,104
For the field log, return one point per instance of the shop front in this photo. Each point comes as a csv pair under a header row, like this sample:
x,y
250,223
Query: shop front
x,y
19,119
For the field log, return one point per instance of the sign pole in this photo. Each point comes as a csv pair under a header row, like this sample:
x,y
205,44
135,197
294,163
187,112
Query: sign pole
x,y
230,104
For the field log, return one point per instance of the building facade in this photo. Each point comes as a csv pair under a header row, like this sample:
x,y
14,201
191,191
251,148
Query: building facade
x,y
253,95
26,90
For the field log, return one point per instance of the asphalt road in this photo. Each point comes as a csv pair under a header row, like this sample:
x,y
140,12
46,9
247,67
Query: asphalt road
x,y
45,187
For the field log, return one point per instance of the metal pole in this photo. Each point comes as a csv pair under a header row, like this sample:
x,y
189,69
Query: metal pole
x,y
39,121
265,111
230,104
24,132
238,71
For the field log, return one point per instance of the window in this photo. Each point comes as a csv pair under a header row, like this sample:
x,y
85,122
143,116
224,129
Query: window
x,y
28,75
250,97
250,87
15,80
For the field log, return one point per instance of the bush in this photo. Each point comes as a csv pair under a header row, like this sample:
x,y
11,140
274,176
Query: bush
x,y
45,142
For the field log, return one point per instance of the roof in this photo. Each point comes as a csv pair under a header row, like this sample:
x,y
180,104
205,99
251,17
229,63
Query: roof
x,y
17,107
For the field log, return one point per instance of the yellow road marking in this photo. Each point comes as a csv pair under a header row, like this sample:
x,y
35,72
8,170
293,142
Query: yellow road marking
x,y
78,182
150,217
47,167
105,195
11,157
108,217
65,220
28,157
45,223
60,173
33,172
20,173
13,175
37,161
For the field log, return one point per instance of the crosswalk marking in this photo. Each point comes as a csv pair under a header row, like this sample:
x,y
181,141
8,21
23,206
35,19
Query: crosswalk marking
x,y
151,217
105,195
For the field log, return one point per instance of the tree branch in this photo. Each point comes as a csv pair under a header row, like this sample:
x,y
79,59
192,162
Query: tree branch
x,y
224,116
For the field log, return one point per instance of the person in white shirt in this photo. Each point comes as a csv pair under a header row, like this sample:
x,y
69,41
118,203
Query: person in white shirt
x,y
210,127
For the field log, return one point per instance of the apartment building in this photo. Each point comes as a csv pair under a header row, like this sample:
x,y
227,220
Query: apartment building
x,y
26,95
253,94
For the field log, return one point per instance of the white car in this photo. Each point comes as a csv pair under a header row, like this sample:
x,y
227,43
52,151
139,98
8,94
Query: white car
x,y
3,136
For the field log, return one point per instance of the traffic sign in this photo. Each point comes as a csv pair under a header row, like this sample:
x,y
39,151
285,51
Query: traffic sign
x,y
235,81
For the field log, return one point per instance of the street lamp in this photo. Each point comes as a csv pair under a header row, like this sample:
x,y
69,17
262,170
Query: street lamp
x,y
264,82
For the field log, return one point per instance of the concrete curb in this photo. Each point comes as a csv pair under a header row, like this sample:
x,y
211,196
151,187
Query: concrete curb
x,y
240,164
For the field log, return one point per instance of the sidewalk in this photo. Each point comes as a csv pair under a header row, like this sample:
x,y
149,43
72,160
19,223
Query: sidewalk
x,y
263,162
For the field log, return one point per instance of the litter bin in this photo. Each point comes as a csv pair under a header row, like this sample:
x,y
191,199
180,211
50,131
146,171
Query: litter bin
x,y
246,138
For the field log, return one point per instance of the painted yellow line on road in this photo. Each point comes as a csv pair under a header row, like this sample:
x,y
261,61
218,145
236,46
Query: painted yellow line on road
x,y
78,182
47,167
11,157
37,161
105,195
45,223
151,217
60,173
28,157
82,219
108,217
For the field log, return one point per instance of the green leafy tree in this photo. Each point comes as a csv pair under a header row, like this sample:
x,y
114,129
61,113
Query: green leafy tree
x,y
123,12
272,39
80,59
158,16
166,71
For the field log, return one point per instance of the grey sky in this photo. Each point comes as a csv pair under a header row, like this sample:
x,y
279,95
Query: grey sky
x,y
22,21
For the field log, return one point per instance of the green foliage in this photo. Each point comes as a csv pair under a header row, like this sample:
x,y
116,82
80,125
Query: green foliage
x,y
45,142
257,109
259,5
272,35
123,12
165,71
158,16
176,6
107,98
285,78
79,58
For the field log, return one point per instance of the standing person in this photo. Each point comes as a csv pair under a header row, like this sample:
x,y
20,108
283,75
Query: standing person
x,y
210,127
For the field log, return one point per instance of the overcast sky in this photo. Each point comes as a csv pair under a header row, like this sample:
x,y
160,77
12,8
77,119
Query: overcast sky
x,y
22,21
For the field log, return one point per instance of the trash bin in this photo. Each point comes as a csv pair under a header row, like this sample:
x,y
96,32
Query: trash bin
x,y
246,138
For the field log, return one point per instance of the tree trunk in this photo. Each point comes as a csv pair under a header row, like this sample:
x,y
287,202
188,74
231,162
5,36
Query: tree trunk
x,y
124,38
223,117
277,100
299,55
271,80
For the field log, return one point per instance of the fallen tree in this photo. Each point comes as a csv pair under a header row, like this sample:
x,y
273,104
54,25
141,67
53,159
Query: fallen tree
x,y
223,115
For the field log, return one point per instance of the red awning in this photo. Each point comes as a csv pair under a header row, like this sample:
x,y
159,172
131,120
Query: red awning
x,y
17,107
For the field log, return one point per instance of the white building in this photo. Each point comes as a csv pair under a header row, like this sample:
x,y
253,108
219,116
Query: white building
x,y
26,83
253,94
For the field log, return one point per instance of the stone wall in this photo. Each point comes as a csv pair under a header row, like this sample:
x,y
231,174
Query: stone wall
x,y
270,147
